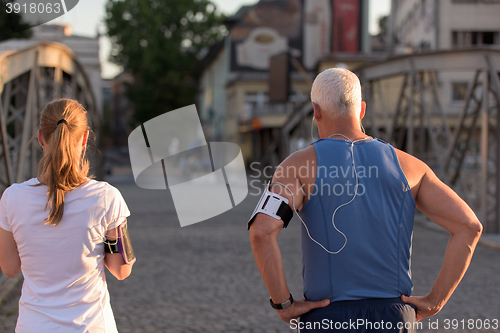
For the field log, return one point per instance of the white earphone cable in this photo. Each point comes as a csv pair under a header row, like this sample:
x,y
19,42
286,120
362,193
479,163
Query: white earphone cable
x,y
335,211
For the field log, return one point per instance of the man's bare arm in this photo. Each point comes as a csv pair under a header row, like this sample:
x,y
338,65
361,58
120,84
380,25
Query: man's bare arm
x,y
264,240
444,207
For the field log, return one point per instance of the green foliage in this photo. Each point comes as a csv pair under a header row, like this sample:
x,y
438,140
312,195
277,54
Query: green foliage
x,y
11,22
157,41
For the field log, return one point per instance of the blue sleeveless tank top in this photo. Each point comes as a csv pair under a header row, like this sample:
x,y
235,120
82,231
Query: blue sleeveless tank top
x,y
378,224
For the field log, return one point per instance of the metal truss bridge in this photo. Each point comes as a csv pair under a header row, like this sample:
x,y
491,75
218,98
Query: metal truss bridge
x,y
31,75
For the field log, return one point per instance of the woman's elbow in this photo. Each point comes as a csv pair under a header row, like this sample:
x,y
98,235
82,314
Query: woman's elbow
x,y
123,276
11,272
120,277
124,272
117,266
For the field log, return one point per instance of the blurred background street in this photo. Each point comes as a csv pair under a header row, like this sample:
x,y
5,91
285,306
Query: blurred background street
x,y
429,71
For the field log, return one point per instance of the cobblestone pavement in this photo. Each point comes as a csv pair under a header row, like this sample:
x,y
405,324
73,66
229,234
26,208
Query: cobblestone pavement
x,y
203,278
8,310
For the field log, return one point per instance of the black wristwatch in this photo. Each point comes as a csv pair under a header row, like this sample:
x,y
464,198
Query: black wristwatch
x,y
284,305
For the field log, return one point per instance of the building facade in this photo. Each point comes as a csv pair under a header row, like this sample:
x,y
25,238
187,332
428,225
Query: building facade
x,y
434,25
254,79
425,25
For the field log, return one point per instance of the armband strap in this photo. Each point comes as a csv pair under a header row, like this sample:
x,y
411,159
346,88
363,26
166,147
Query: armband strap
x,y
121,245
111,247
273,205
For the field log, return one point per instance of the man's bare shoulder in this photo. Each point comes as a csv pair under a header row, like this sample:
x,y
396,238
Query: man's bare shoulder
x,y
413,168
303,157
410,162
297,171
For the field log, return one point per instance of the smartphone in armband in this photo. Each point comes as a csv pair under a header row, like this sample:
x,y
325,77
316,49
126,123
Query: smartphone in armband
x,y
122,245
125,246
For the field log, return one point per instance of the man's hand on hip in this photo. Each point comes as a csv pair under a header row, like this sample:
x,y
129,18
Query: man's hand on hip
x,y
298,308
425,307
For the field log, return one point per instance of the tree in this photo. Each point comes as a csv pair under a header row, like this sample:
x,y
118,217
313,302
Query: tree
x,y
10,23
158,41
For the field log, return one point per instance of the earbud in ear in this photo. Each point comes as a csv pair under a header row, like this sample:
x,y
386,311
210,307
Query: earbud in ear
x,y
312,128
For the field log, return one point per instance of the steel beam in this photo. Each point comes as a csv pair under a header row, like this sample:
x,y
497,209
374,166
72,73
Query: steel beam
x,y
409,119
29,113
449,60
484,149
398,111
385,117
464,115
5,145
495,87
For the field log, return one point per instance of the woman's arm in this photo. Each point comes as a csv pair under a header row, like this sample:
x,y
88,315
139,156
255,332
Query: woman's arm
x,y
114,261
10,263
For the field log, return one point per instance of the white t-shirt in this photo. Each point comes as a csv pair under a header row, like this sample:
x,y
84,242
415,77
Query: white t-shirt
x,y
64,287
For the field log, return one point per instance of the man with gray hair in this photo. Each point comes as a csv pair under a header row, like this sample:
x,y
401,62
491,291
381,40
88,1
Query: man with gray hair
x,y
356,205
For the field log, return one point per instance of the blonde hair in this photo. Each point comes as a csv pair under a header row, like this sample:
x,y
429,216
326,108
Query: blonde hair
x,y
337,91
60,166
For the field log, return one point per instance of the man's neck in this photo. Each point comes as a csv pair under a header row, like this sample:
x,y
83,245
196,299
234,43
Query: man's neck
x,y
342,128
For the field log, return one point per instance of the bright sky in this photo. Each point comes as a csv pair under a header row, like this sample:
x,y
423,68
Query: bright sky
x,y
86,20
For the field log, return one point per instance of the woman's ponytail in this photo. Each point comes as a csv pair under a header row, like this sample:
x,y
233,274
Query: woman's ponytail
x,y
63,124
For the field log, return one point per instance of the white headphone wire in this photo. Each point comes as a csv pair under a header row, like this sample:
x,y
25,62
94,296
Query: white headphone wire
x,y
342,205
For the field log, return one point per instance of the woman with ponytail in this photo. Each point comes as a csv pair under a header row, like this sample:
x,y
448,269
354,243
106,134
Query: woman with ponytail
x,y
54,227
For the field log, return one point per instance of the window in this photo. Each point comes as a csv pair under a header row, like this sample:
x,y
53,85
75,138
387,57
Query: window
x,y
470,38
489,38
459,91
425,46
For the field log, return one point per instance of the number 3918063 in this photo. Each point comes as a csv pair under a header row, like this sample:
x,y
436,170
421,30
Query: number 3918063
x,y
33,8
470,324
